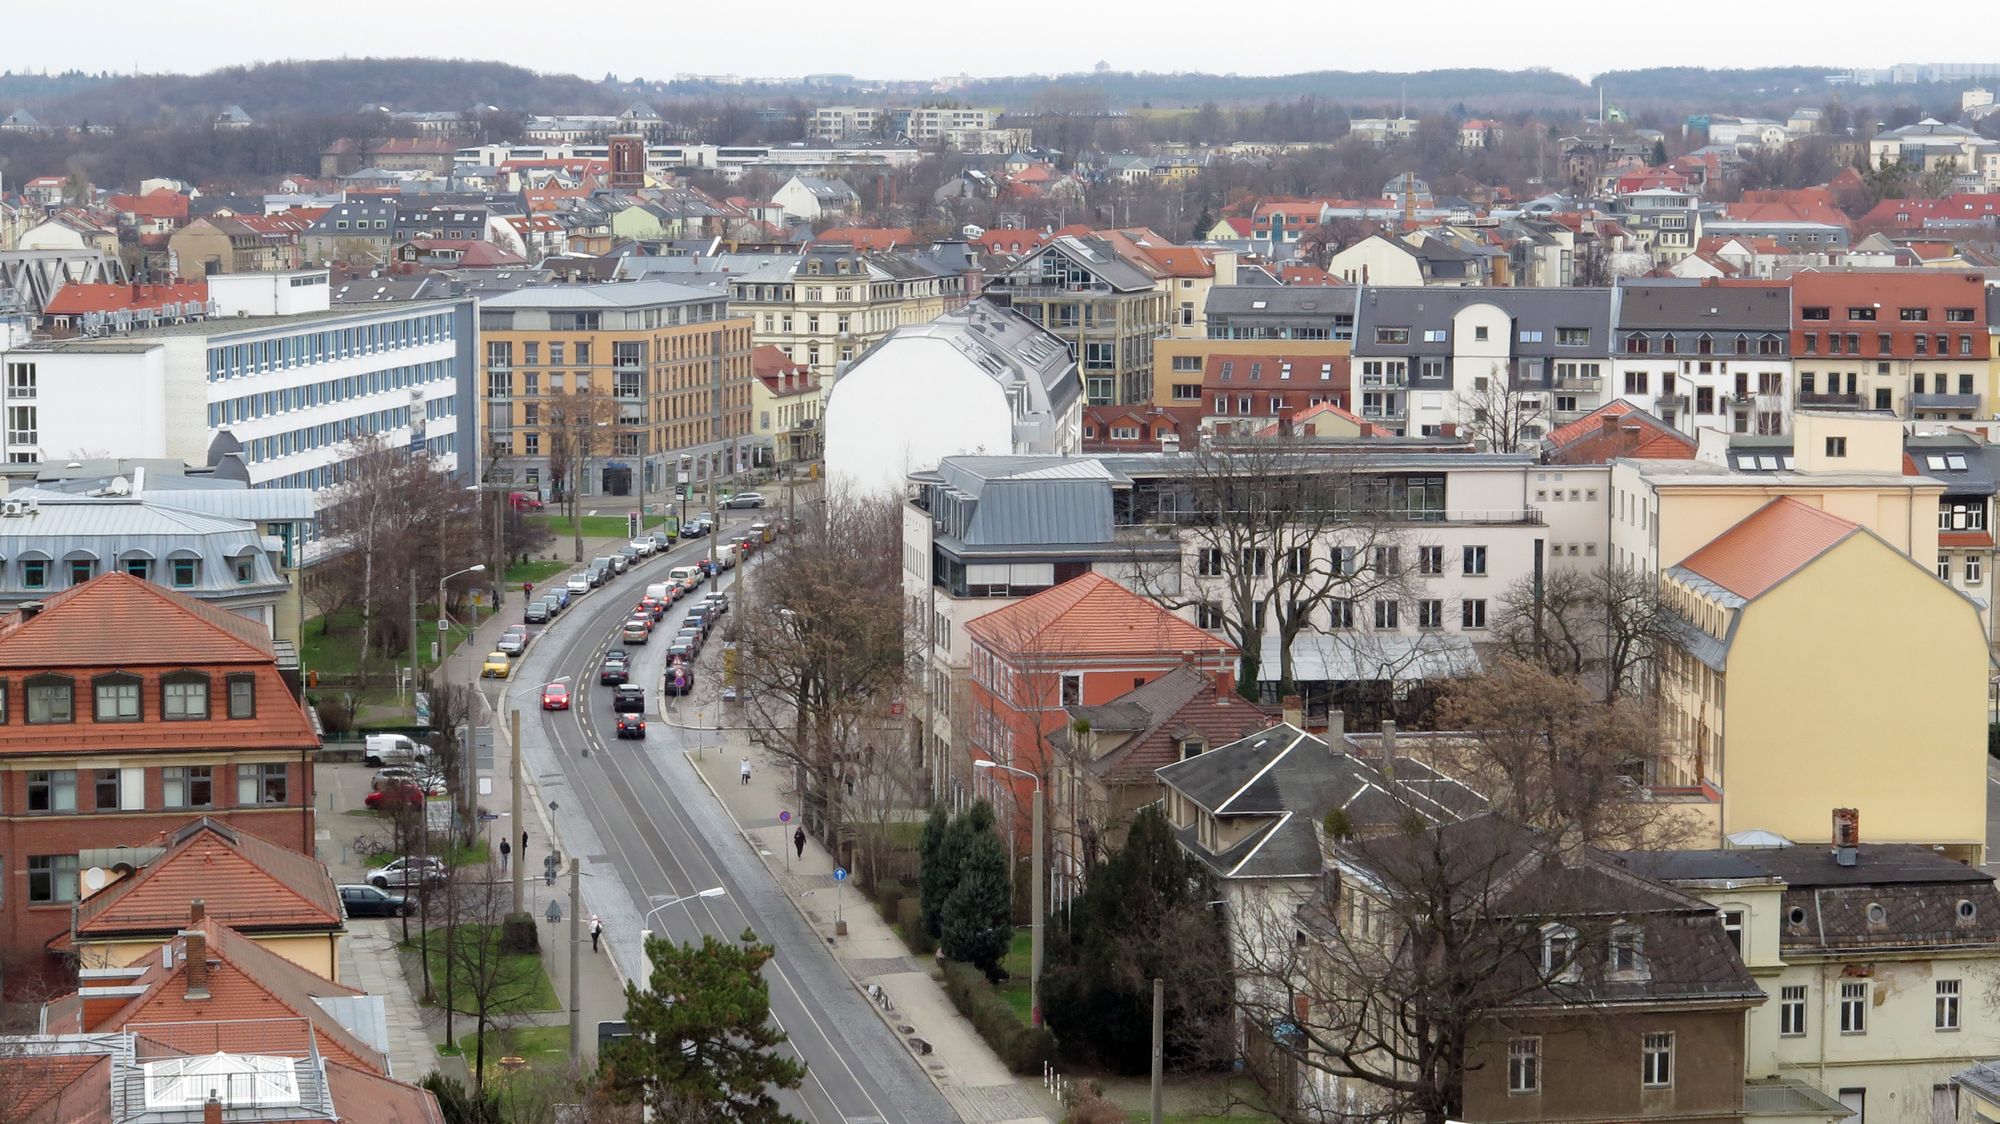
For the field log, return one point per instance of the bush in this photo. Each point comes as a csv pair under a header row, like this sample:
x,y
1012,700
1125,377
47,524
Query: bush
x,y
910,923
335,716
1094,1109
889,894
1025,1049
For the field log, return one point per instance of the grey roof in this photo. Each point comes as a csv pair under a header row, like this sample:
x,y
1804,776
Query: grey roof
x,y
1022,501
352,212
112,530
823,187
1983,1079
1278,300
620,294
1425,308
1959,461
1695,307
1033,366
1091,254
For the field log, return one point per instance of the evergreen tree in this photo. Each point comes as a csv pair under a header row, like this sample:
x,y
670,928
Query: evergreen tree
x,y
702,1045
1203,223
977,918
1659,153
934,875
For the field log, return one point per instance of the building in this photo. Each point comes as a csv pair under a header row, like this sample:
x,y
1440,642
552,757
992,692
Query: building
x,y
1709,353
981,379
353,231
1108,310
1281,312
787,403
1244,386
1869,953
815,197
1931,145
827,305
668,364
1912,342
187,714
239,244
1771,722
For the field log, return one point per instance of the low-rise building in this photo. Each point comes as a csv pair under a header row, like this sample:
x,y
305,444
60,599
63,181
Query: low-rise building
x,y
786,401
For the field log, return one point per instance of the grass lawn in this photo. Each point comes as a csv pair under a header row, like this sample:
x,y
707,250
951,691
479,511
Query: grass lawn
x,y
540,1045
536,571
1189,1098
538,994
594,526
1015,991
338,652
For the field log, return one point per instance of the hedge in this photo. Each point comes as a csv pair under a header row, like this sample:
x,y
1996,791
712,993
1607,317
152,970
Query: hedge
x,y
889,894
910,924
1025,1049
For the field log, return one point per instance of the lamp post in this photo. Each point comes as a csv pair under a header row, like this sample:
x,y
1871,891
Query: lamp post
x,y
1038,899
711,892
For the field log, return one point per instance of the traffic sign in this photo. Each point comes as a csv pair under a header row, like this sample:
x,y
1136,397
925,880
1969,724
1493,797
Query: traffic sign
x,y
784,817
840,874
680,678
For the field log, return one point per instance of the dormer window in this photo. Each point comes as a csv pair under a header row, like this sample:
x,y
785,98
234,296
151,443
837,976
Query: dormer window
x,y
51,698
1558,950
1626,955
1193,746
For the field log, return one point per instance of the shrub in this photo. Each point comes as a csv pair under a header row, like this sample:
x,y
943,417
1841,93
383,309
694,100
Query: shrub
x,y
889,894
1094,1109
910,923
1025,1049
335,716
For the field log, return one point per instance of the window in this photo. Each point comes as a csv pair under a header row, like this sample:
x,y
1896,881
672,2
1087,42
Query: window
x,y
1958,315
1253,561
1836,446
1625,955
1208,562
1792,1011
1430,560
1475,560
260,784
184,696
1341,610
1208,614
1558,949
52,790
1732,929
1944,567
1388,560
1913,315
49,699
1430,613
242,696
1072,688
104,783
51,878
1818,313
1947,1004
1472,613
35,574
1524,1065
1393,335
1854,1007
1572,337
1656,1061
81,570
1861,312
1387,615
1298,560
1972,570
187,786
117,698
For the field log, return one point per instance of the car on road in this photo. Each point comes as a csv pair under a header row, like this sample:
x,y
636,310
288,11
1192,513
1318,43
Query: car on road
x,y
514,641
689,638
717,602
628,697
497,666
599,572
560,593
371,901
638,630
556,603
408,871
619,563
701,616
555,696
679,679
537,612
630,554
654,607
745,499
631,725
612,672
693,529
680,651
524,501
661,540
578,584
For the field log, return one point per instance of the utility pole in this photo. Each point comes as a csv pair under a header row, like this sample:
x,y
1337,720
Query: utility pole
x,y
1159,1040
416,657
1040,906
520,860
576,959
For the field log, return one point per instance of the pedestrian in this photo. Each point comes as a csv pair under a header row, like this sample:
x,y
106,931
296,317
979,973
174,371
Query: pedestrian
x,y
799,840
746,770
506,852
596,930
524,842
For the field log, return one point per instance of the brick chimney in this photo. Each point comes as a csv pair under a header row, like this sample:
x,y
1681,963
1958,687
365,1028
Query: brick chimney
x,y
211,1109
1293,708
196,969
197,909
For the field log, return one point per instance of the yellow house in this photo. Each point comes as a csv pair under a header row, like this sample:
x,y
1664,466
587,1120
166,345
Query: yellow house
x,y
1179,365
1816,666
280,899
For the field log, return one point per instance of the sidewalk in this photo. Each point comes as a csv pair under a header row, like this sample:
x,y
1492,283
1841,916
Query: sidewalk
x,y
971,1076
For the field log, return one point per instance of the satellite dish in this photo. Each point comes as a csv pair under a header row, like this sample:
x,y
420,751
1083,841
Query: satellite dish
x,y
971,231
95,878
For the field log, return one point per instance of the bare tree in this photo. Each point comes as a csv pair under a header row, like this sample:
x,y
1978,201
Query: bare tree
x,y
1603,625
1501,416
484,980
574,427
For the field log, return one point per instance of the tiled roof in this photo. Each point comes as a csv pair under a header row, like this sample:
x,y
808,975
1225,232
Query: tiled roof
x,y
116,618
1965,538
77,298
1635,433
1089,616
72,1088
869,238
1768,546
1182,703
367,1098
242,879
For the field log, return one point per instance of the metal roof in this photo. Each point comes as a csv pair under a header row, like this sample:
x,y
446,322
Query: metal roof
x,y
619,294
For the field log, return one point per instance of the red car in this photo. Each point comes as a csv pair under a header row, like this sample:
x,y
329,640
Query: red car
x,y
393,797
555,696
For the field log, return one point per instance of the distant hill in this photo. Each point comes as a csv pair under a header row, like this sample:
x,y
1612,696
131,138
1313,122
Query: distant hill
x,y
1128,89
282,89
1723,87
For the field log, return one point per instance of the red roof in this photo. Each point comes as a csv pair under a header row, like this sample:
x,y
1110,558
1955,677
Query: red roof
x,y
1769,545
153,205
1965,538
244,880
1090,616
869,238
72,1088
77,298
1617,429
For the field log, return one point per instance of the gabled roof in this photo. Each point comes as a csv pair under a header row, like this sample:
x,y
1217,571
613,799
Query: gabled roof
x,y
1086,617
242,879
1769,545
1184,703
116,618
1616,429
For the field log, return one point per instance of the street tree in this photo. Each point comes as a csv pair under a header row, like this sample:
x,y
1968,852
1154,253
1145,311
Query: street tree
x,y
575,431
702,1045
975,920
484,981
1603,626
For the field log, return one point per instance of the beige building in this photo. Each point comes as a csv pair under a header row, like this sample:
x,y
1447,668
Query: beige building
x,y
833,302
787,406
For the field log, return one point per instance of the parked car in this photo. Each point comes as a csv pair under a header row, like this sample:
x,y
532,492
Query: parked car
x,y
371,901
393,749
698,617
524,501
537,612
644,545
497,666
631,725
619,563
612,672
679,679
392,797
630,554
416,777
556,605
514,641
555,696
560,592
599,572
678,652
662,540
579,584
408,871
745,499
628,697
690,638
717,602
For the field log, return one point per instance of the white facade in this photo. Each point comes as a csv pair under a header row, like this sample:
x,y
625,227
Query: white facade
x,y
282,293
1377,260
56,404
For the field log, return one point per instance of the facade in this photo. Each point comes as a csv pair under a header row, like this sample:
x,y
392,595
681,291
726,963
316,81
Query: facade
x,y
668,365
1281,312
1912,342
815,197
1108,310
1772,724
130,708
787,403
238,244
1245,386
982,379
1711,354
828,305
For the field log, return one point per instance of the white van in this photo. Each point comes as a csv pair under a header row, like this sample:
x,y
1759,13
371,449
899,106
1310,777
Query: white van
x,y
393,749
658,592
726,554
680,574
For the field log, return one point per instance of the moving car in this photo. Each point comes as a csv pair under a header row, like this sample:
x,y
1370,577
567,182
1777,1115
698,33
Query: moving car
x,y
371,901
654,607
628,697
537,612
523,501
631,725
613,672
408,871
514,641
497,666
745,499
555,696
693,529
393,749
636,631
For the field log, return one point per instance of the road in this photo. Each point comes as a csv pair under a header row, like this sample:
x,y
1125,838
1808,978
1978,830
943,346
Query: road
x,y
647,830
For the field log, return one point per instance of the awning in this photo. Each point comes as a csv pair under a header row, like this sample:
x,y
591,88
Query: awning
x,y
1362,655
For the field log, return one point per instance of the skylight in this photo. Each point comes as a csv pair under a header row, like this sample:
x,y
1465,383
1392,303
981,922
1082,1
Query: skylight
x,y
234,1079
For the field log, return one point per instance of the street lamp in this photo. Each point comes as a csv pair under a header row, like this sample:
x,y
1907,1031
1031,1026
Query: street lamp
x,y
711,892
1037,900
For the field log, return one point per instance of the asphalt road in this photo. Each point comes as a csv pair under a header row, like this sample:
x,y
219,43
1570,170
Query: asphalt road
x,y
649,830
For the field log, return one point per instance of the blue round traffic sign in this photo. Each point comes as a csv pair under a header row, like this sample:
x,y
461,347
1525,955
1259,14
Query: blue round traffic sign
x,y
784,817
840,874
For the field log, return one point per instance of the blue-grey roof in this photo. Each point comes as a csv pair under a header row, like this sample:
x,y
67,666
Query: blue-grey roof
x,y
1536,314
622,294
1022,501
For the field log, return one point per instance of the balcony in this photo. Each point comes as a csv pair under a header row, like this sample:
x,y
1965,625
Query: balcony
x,y
1826,398
1385,382
1944,401
1588,384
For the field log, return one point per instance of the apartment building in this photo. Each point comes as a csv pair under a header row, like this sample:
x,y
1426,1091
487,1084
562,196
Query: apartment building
x,y
1706,354
1911,342
664,369
1109,311
787,403
1281,312
1427,358
126,709
1248,386
827,305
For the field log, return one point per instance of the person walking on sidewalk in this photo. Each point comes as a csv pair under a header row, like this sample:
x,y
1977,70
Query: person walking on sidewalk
x,y
596,931
506,852
799,840
746,770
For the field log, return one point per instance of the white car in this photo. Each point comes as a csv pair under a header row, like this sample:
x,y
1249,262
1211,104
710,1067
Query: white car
x,y
645,547
578,584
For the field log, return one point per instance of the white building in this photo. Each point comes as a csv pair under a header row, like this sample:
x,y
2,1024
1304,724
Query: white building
x,y
980,379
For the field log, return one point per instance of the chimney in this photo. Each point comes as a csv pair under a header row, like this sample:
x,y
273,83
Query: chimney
x,y
28,609
1389,749
211,1109
1846,836
196,971
197,909
1336,729
1294,710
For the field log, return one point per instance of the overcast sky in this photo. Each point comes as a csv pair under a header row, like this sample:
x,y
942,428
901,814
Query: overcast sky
x,y
932,38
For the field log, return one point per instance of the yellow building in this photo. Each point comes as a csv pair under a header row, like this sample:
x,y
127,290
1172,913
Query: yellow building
x,y
833,302
786,406
1180,365
1817,666
586,383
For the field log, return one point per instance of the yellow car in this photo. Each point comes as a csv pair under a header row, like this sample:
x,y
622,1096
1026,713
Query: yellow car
x,y
496,666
